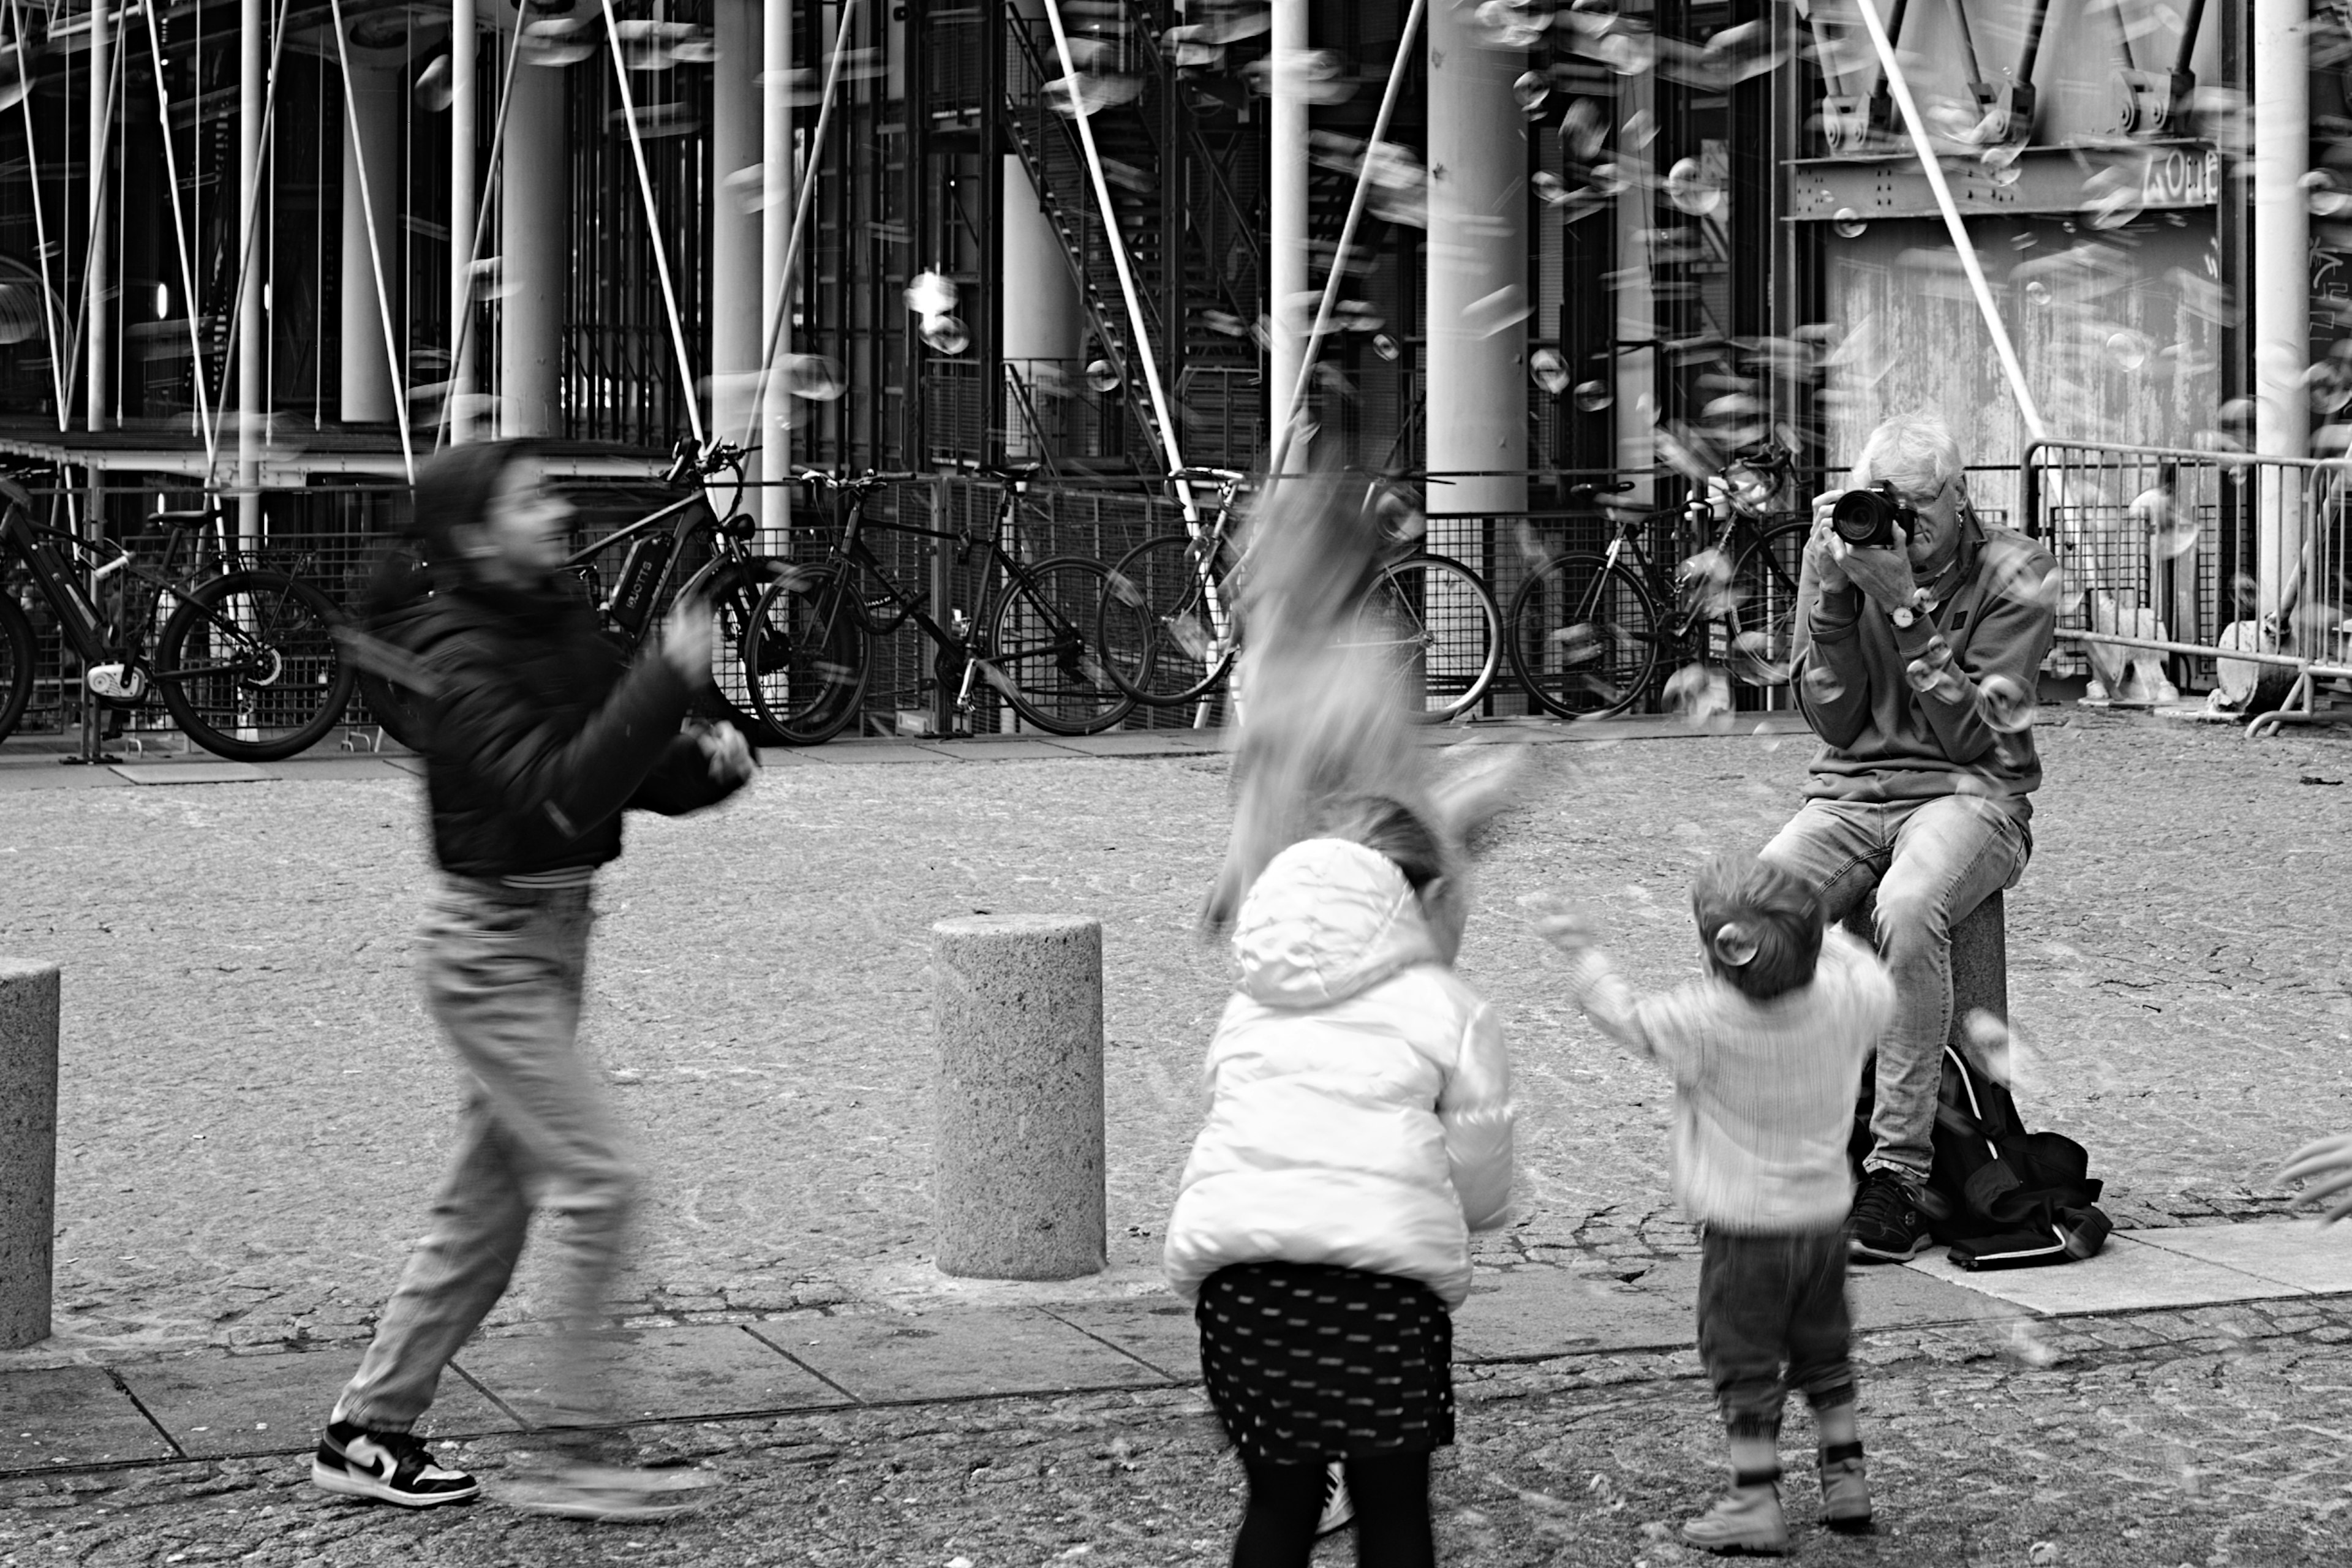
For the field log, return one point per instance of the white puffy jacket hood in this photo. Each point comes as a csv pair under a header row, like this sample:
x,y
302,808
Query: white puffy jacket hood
x,y
1360,1094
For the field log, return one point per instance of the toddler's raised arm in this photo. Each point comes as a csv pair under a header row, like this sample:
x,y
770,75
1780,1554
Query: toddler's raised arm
x,y
1616,1009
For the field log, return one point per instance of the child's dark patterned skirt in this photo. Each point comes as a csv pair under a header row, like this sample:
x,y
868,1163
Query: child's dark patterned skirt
x,y
1308,1362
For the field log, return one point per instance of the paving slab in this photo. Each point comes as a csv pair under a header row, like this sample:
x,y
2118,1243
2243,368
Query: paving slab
x,y
1880,1297
1158,1331
1529,1314
2295,1253
2128,1274
715,1369
957,1353
216,1406
70,1415
1145,742
191,773
881,752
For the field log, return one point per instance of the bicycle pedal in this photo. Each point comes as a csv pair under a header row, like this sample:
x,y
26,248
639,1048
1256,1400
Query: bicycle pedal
x,y
117,683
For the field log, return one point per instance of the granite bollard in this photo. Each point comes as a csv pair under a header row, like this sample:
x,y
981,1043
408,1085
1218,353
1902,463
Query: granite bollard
x,y
1017,1172
28,1147
1979,964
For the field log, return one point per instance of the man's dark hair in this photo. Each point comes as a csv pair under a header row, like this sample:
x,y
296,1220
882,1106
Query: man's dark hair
x,y
1762,926
454,488
1386,827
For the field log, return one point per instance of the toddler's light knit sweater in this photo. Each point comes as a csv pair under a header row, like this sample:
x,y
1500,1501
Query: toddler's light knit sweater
x,y
1764,1091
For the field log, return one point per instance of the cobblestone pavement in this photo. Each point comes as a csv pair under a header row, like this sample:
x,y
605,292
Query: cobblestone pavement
x,y
255,1108
2212,1439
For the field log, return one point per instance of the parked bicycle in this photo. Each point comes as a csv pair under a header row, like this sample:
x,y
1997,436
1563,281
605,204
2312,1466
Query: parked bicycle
x,y
244,662
1033,642
1170,625
681,550
1588,630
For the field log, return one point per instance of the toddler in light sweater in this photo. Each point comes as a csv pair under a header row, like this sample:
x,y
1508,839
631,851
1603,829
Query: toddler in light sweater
x,y
1766,1053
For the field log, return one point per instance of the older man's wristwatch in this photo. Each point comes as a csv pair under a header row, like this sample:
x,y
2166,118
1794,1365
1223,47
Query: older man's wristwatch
x,y
1909,611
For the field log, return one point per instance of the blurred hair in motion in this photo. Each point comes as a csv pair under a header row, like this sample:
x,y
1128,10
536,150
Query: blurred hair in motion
x,y
1322,720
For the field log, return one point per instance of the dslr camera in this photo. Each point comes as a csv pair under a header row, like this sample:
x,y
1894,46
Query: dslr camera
x,y
1867,520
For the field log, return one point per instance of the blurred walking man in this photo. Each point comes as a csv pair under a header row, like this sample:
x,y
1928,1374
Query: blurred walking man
x,y
539,734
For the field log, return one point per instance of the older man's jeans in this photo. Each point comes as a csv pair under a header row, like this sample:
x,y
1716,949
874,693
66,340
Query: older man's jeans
x,y
503,973
1933,862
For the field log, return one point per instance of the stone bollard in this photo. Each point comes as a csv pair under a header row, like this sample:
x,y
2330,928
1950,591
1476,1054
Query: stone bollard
x,y
1017,1176
28,1147
1979,962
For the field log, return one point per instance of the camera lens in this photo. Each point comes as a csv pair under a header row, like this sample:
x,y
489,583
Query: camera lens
x,y
1865,519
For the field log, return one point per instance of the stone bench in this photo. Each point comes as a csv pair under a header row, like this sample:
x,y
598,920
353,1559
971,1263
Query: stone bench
x,y
28,1147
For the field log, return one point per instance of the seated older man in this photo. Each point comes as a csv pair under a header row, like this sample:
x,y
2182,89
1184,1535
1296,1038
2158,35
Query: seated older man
x,y
1916,663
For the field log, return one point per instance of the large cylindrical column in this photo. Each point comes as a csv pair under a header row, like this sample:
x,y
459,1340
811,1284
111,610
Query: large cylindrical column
x,y
534,241
370,134
28,1147
1044,317
253,323
465,194
737,134
1475,382
2282,278
105,283
1286,247
1017,1171
776,192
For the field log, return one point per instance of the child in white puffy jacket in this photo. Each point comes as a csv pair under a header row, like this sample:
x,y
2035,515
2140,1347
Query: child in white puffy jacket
x,y
1359,1129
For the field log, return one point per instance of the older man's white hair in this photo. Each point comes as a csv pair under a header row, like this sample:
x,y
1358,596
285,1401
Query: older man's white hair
x,y
1916,453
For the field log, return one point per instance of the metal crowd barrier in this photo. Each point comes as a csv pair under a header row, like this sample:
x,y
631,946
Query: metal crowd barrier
x,y
2226,570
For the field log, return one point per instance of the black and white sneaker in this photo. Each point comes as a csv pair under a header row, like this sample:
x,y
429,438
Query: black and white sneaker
x,y
386,1467
1886,1225
1338,1507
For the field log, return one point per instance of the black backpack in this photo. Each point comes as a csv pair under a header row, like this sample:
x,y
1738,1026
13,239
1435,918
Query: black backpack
x,y
1998,1196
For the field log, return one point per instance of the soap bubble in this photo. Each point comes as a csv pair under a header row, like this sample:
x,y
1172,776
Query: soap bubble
x,y
1583,129
2324,199
1512,24
2172,530
1752,660
812,376
1695,191
946,334
1548,370
1531,89
2328,383
556,41
1849,224
1103,375
2005,704
2127,349
1593,396
1548,187
1505,307
1386,346
932,294
1705,580
1698,693
433,88
1581,643
2037,292
1088,93
2112,197
1822,684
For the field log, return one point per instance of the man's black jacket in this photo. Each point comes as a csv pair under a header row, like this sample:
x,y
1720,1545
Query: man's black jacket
x,y
538,731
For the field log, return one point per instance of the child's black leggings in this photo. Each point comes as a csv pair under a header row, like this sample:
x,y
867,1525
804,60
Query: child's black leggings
x,y
1392,1494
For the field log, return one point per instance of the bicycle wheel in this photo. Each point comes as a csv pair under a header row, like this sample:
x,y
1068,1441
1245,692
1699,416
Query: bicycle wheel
x,y
1757,630
1433,622
1042,652
735,591
16,665
1165,641
804,659
1583,638
247,666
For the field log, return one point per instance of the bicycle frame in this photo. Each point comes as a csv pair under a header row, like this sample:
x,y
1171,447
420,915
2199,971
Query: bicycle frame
x,y
81,620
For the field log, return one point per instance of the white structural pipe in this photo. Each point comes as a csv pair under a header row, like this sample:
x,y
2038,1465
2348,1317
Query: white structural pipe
x,y
98,343
371,167
179,230
375,254
2281,282
1901,87
465,110
253,322
1475,393
459,421
534,226
735,225
769,419
1139,347
1292,411
1288,351
654,235
49,305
